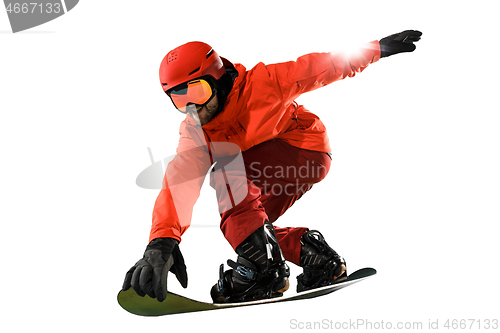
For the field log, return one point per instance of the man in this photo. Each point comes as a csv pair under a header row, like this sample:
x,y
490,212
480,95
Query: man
x,y
267,150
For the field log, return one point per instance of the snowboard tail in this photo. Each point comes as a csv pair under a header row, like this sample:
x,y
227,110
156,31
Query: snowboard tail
x,y
174,303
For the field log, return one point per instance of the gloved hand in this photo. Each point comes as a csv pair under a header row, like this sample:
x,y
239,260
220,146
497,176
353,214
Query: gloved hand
x,y
397,43
149,275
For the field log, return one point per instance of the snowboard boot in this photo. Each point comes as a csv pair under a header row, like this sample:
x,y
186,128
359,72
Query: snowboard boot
x,y
260,271
321,264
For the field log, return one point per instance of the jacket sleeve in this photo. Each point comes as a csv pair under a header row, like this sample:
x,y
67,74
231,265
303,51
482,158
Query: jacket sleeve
x,y
315,70
182,182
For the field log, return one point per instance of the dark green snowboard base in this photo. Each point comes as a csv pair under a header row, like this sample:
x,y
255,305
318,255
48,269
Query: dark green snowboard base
x,y
147,306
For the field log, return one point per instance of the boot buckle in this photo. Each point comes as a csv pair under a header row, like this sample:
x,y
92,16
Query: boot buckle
x,y
246,272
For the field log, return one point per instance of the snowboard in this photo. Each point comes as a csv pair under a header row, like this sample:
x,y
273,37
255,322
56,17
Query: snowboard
x,y
174,304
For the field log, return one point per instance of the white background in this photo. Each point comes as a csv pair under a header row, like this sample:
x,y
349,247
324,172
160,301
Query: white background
x,y
413,190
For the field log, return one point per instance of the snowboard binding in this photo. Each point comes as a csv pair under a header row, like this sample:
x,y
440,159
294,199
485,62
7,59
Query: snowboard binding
x,y
321,265
260,272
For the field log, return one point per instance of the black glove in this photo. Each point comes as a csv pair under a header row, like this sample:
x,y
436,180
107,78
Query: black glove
x,y
397,43
149,275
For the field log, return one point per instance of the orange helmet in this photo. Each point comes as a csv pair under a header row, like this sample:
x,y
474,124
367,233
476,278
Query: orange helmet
x,y
189,61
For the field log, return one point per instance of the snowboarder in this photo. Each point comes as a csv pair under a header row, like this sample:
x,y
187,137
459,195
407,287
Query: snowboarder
x,y
284,150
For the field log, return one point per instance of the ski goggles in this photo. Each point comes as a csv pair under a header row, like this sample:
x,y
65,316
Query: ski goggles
x,y
197,91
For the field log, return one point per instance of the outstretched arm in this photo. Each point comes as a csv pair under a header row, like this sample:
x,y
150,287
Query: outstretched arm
x,y
315,70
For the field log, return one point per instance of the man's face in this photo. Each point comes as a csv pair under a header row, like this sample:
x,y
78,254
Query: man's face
x,y
207,112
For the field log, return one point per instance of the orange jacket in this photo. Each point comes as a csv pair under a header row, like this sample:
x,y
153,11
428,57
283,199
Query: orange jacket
x,y
260,107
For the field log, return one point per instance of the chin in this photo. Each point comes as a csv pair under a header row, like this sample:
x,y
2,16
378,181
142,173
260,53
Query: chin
x,y
205,121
